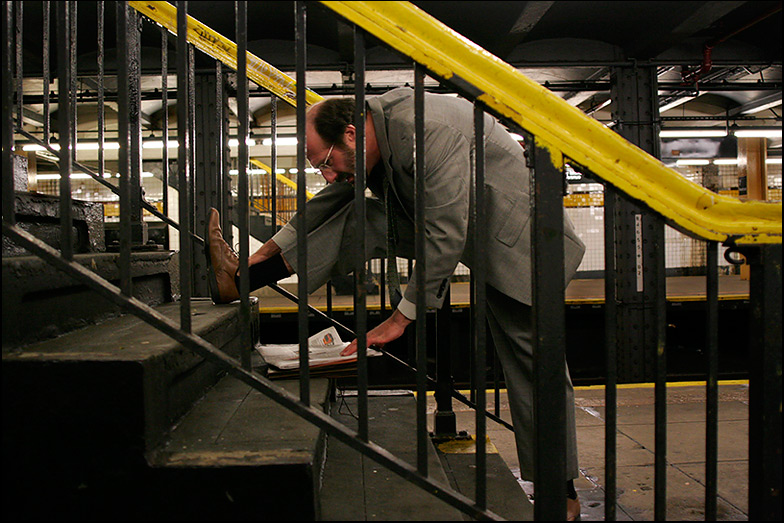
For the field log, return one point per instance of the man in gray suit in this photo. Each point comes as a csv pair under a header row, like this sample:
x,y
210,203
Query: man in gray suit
x,y
449,164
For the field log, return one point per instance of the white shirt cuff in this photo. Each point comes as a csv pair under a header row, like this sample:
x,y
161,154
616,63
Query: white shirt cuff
x,y
407,309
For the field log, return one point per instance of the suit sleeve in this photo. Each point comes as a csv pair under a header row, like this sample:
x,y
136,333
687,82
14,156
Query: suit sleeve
x,y
447,180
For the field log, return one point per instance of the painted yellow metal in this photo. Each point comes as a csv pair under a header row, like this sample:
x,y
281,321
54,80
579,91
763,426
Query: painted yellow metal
x,y
687,206
221,48
291,183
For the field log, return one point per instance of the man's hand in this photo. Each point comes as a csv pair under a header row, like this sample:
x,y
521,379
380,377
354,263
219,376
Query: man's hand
x,y
390,330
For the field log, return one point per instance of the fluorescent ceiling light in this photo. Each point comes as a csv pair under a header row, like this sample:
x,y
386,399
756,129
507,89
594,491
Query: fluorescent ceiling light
x,y
693,133
692,162
80,146
758,133
280,140
235,172
725,161
158,144
773,161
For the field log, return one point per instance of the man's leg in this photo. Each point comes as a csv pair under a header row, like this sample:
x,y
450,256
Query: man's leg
x,y
511,328
330,242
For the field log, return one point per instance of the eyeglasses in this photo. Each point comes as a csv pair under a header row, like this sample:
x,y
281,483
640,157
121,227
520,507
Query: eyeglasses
x,y
325,164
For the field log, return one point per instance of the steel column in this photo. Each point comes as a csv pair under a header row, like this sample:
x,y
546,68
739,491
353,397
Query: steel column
x,y
165,124
712,384
445,422
46,73
639,262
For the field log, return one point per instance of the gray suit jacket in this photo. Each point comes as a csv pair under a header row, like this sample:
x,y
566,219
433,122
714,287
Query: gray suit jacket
x,y
449,165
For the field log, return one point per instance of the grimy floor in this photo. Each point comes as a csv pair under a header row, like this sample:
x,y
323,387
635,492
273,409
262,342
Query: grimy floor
x,y
635,444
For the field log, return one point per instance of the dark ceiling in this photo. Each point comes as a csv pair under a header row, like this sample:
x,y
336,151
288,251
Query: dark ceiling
x,y
567,45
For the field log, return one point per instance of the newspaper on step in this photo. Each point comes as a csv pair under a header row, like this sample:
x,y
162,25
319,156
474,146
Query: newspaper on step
x,y
324,349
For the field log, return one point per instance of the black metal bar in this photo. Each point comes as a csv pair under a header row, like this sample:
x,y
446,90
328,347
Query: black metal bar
x,y
310,414
360,280
165,122
274,163
712,385
124,152
18,12
72,89
65,128
765,383
610,356
302,247
243,211
183,164
480,304
549,326
421,272
9,215
655,228
101,89
46,73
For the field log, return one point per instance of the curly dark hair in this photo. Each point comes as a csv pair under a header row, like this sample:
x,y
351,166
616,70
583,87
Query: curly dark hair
x,y
332,118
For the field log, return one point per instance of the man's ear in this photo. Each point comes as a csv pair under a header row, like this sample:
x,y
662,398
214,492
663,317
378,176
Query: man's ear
x,y
350,135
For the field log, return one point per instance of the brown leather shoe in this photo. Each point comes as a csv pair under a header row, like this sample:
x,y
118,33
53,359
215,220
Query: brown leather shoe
x,y
222,262
573,509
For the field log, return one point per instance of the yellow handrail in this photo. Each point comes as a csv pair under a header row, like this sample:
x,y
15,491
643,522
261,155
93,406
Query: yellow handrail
x,y
560,127
224,50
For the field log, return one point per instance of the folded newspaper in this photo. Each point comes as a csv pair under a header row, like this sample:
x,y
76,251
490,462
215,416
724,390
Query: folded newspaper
x,y
323,349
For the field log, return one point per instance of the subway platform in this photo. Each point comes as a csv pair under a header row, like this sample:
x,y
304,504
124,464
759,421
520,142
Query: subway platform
x,y
635,447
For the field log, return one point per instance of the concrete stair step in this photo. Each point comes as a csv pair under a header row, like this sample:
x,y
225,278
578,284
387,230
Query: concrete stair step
x,y
40,301
80,411
239,455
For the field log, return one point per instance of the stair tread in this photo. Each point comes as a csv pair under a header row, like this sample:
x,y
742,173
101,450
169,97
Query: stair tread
x,y
125,338
235,425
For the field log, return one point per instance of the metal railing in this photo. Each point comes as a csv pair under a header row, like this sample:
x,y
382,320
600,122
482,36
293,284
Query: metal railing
x,y
754,229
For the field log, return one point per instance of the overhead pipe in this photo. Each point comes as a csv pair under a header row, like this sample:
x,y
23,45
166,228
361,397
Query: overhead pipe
x,y
692,77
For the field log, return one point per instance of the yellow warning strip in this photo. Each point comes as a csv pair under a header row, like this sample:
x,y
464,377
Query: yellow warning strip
x,y
288,181
224,50
561,128
673,384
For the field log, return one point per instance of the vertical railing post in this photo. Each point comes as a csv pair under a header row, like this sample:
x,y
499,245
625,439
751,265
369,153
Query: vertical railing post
x,y
421,271
444,422
184,164
610,356
243,211
360,283
46,73
765,382
274,163
712,384
9,216
18,37
134,109
479,313
65,127
547,233
165,125
101,91
302,247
